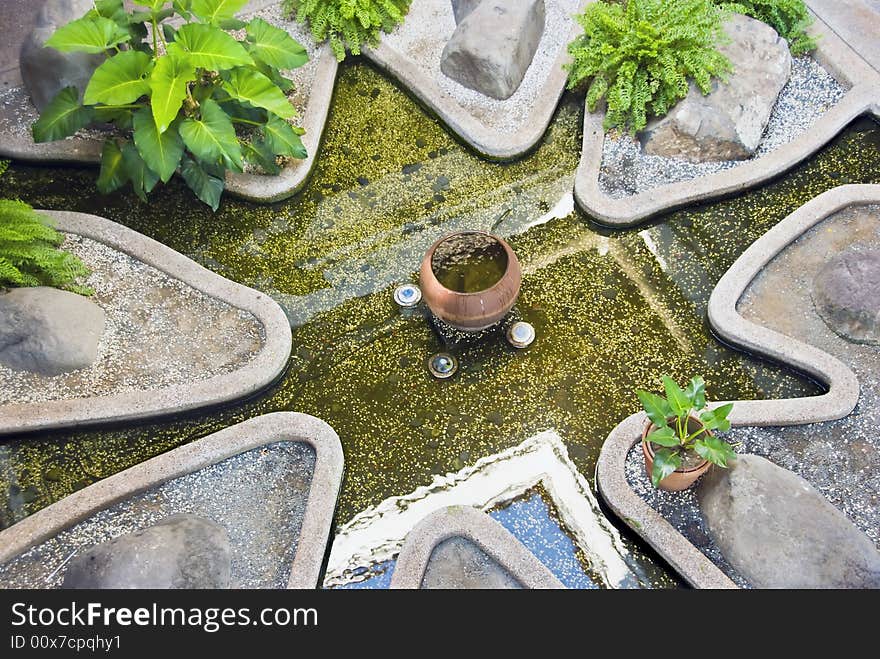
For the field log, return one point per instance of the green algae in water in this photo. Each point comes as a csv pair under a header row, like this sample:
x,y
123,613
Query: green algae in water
x,y
614,310
469,262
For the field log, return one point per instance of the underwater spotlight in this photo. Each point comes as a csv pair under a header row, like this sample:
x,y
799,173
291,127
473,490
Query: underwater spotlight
x,y
521,334
407,295
442,365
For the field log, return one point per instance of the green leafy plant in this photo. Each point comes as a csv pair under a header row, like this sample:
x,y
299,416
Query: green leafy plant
x,y
790,18
29,254
348,23
672,419
185,97
640,56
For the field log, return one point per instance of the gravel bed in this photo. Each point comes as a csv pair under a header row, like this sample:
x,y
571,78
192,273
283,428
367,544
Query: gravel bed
x,y
159,332
259,497
809,93
430,24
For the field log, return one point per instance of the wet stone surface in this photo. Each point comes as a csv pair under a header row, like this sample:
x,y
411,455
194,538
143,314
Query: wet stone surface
x,y
259,497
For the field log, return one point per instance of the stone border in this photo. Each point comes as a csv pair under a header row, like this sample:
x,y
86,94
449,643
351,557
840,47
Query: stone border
x,y
253,187
476,526
263,369
832,53
840,399
488,142
202,453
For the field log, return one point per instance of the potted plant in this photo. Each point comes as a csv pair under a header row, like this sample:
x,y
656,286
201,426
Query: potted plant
x,y
678,442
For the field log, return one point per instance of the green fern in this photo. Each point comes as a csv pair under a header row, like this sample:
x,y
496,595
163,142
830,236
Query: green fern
x,y
29,254
348,23
790,18
640,56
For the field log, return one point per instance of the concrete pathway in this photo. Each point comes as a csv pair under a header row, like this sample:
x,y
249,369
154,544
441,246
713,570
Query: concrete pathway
x,y
857,22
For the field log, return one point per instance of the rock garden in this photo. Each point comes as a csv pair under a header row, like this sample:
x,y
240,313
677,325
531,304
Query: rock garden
x,y
439,294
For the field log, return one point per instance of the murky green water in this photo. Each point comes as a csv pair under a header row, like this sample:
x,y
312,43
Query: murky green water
x,y
613,309
469,262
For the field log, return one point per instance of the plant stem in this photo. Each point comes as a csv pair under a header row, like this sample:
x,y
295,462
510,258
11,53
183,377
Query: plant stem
x,y
239,120
130,106
155,38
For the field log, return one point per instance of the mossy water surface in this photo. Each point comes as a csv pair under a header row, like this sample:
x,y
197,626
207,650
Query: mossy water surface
x,y
613,309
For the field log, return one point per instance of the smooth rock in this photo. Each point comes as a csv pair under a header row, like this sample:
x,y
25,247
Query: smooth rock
x,y
46,71
458,563
778,531
48,331
461,8
493,46
728,123
181,551
846,294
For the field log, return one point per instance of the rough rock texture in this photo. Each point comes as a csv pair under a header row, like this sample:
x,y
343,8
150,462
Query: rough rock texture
x,y
457,563
461,8
46,71
181,551
48,331
779,532
846,294
727,124
493,46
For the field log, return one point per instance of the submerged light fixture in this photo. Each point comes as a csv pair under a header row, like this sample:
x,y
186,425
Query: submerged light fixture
x,y
442,365
407,295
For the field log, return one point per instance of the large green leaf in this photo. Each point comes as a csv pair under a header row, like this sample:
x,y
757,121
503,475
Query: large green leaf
x,y
255,88
656,406
260,154
207,188
717,419
666,461
143,179
120,80
62,117
112,9
211,48
161,151
664,436
152,5
216,11
715,450
678,400
113,175
282,139
696,392
211,138
168,81
90,34
275,46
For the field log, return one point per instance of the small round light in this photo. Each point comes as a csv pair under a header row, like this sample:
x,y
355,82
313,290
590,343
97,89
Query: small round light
x,y
407,295
521,334
442,365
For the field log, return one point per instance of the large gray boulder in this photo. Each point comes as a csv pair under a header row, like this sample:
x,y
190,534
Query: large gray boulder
x,y
182,551
493,45
48,331
779,532
46,71
728,123
461,8
846,294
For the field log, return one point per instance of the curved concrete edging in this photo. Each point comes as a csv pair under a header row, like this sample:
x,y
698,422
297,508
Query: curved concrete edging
x,y
253,187
474,525
832,53
840,399
261,371
491,143
254,433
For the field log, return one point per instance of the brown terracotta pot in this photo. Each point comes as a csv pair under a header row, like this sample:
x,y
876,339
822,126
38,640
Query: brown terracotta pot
x,y
680,479
471,311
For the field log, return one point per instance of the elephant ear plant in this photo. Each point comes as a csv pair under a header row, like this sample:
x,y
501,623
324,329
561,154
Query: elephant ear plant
x,y
681,423
184,95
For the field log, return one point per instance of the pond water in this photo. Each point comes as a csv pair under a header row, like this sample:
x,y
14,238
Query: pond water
x,y
469,262
613,310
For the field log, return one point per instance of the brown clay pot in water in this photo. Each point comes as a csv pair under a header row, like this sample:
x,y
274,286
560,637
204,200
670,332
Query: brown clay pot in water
x,y
471,311
680,479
